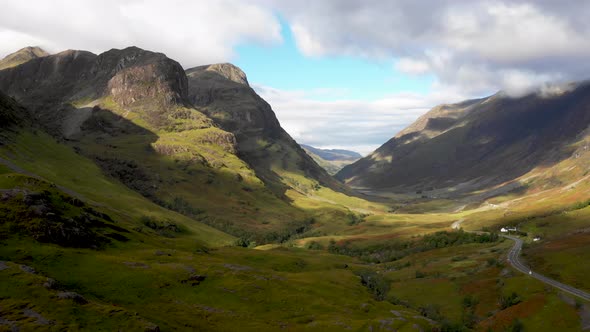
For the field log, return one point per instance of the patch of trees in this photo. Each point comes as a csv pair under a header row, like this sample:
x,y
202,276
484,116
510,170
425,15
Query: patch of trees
x,y
375,283
394,250
165,228
509,300
290,231
181,206
355,219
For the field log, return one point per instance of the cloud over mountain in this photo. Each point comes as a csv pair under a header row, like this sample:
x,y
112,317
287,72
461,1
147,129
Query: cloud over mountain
x,y
475,45
192,32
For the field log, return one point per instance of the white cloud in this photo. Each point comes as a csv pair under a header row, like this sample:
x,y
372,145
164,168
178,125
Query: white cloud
x,y
350,124
476,45
412,66
192,32
512,33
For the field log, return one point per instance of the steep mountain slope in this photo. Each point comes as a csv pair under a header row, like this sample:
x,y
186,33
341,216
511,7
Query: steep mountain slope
x,y
22,56
332,160
222,92
11,113
478,143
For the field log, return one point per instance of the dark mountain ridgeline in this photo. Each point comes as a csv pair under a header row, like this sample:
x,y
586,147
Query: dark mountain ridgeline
x,y
333,154
332,160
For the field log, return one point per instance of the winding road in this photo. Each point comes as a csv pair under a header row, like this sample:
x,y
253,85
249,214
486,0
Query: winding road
x,y
514,260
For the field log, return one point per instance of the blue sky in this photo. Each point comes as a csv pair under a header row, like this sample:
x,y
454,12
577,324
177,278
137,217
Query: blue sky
x,y
282,66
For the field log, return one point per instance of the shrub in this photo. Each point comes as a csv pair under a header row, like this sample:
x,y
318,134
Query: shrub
x,y
313,245
508,301
165,228
470,301
376,284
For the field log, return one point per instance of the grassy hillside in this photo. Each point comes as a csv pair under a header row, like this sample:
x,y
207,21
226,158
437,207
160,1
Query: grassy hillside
x,y
80,250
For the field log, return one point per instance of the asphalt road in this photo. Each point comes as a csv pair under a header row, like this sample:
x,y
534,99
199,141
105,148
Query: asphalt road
x,y
514,260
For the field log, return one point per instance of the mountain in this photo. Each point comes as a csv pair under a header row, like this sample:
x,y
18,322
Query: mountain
x,y
332,160
222,92
164,132
21,56
478,143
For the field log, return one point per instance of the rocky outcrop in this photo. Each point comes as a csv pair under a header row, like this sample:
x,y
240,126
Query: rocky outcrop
x,y
48,86
227,70
138,75
230,101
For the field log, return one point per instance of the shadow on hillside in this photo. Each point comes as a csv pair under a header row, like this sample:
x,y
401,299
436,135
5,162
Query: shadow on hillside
x,y
125,151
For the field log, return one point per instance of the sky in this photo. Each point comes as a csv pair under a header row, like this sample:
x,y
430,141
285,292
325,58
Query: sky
x,y
338,73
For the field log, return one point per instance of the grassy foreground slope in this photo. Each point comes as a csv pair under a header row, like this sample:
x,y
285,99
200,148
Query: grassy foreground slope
x,y
80,251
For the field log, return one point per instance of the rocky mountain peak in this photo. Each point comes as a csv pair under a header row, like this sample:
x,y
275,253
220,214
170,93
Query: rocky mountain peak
x,y
131,77
227,70
135,74
21,56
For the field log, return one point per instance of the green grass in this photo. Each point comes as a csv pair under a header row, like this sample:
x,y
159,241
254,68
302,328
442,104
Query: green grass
x,y
260,289
40,155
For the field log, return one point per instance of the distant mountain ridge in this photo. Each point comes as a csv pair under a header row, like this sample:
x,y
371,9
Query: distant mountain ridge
x,y
333,154
332,160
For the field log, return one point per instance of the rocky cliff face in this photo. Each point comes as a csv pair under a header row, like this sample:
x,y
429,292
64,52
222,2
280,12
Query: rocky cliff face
x,y
223,89
222,92
479,142
49,86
